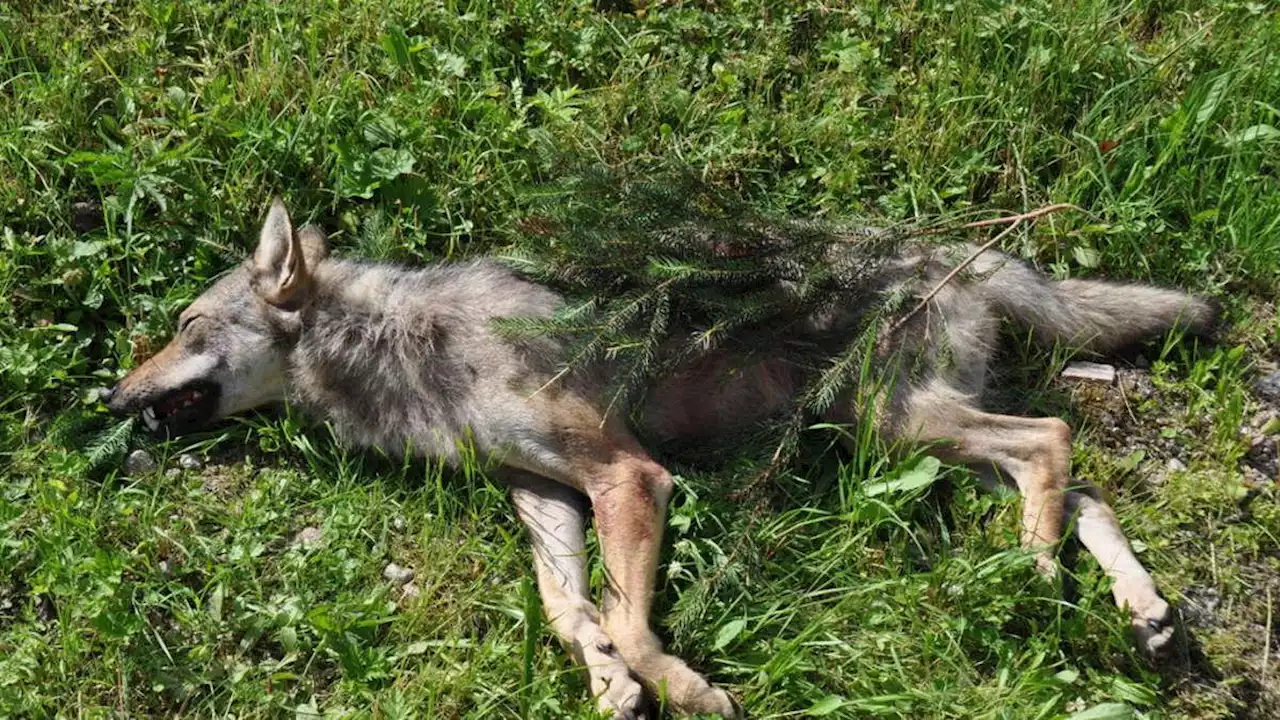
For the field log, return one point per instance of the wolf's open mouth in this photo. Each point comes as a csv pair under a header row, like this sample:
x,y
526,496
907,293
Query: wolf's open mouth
x,y
184,409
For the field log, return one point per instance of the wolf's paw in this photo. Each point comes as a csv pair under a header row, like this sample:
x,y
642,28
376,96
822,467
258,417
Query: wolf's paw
x,y
623,697
1149,615
1047,566
1153,627
617,691
689,693
715,701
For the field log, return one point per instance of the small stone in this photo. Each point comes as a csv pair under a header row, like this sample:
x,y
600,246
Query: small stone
x,y
172,473
1135,383
1267,388
409,592
1266,423
397,574
188,461
1158,473
1264,456
139,462
217,482
1253,479
398,523
1095,372
164,568
307,536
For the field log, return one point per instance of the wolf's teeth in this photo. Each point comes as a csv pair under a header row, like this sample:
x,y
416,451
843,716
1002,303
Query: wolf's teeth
x,y
149,417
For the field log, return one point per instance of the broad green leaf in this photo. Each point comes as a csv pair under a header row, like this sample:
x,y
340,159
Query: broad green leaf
x,y
920,476
1254,133
396,45
826,706
1086,256
1105,711
389,164
731,630
1067,676
82,249
1212,99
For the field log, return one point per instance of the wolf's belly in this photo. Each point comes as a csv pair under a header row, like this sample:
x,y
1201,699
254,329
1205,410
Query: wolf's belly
x,y
719,395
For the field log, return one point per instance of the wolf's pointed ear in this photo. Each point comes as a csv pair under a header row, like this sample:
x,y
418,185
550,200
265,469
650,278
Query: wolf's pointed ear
x,y
315,245
280,270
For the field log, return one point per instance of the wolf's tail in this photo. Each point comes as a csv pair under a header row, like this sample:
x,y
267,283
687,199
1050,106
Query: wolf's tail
x,y
1090,315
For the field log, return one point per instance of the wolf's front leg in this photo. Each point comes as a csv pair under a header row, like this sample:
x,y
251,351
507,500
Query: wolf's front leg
x,y
556,516
629,498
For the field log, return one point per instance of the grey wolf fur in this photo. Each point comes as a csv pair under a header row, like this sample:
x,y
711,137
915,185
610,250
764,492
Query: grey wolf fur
x,y
395,357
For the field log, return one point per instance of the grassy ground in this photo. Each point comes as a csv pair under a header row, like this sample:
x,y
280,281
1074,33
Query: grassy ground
x,y
409,129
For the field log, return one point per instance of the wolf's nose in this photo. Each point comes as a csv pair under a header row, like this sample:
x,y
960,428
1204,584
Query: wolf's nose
x,y
105,394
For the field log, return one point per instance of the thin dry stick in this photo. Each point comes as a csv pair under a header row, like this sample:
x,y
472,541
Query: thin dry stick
x,y
1030,215
1124,395
1015,222
951,276
1266,648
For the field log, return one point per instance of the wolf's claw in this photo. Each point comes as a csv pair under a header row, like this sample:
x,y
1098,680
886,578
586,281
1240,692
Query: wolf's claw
x,y
1153,628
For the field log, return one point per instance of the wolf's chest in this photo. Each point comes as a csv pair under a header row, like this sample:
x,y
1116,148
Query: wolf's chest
x,y
387,400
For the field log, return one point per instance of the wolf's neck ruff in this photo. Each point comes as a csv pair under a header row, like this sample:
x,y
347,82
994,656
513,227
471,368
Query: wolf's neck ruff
x,y
395,357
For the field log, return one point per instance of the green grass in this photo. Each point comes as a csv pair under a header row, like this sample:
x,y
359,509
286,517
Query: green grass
x,y
411,129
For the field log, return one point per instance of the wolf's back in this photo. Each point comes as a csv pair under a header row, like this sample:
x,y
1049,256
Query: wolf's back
x,y
1091,315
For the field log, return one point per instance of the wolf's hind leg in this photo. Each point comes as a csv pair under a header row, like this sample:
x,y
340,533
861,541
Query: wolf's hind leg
x,y
629,494
1034,452
555,516
1096,527
1132,586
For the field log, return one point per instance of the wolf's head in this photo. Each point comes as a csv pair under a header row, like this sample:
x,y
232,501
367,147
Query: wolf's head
x,y
232,344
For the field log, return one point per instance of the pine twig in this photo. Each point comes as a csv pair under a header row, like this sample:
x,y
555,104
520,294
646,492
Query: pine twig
x,y
769,471
1013,221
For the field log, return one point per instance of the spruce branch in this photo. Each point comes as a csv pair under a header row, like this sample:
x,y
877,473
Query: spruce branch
x,y
102,441
663,269
110,444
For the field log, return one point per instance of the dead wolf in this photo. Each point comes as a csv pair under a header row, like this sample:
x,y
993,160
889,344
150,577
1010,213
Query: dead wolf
x,y
397,357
